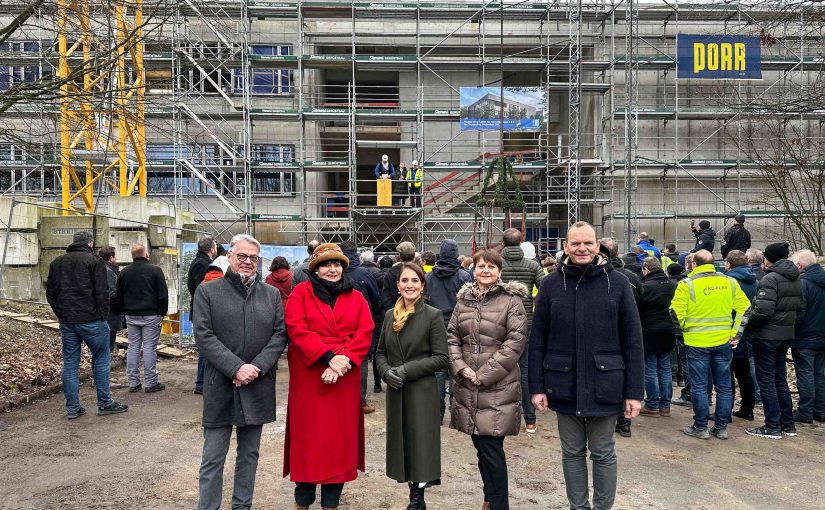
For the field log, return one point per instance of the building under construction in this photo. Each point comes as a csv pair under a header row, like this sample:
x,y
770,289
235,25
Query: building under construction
x,y
270,116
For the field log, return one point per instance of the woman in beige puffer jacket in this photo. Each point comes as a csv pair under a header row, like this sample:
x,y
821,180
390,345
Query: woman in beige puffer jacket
x,y
486,336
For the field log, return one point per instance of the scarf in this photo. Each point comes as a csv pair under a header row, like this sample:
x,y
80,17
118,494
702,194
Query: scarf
x,y
401,313
328,291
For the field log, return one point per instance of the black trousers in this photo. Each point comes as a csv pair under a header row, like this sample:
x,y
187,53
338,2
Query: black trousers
x,y
740,372
330,494
492,465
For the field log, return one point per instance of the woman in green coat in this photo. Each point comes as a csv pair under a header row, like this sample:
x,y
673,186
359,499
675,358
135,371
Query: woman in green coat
x,y
412,348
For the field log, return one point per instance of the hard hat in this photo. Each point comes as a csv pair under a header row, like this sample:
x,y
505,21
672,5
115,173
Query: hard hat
x,y
385,158
415,162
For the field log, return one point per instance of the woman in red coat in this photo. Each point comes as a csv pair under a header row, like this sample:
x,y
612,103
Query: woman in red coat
x,y
330,331
280,277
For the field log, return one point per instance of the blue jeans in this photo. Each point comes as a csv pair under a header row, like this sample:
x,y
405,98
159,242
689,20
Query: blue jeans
x,y
771,372
658,381
96,337
526,399
810,379
716,361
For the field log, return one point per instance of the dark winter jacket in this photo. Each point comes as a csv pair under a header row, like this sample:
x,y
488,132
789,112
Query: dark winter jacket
x,y
705,240
281,279
586,347
77,287
487,334
443,283
737,237
654,310
372,267
389,292
811,327
747,282
197,271
363,282
778,301
141,289
114,319
633,278
413,418
234,326
759,271
516,268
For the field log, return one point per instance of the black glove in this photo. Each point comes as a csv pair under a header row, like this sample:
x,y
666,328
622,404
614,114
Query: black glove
x,y
393,380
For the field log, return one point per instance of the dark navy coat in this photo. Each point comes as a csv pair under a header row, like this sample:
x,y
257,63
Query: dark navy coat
x,y
586,344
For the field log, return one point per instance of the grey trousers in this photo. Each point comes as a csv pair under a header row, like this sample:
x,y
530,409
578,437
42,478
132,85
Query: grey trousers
x,y
577,435
144,333
215,447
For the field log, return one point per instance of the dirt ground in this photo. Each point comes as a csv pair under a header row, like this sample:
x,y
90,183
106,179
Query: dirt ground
x,y
148,458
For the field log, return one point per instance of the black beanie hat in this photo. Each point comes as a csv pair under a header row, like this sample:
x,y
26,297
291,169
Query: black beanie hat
x,y
777,251
448,249
704,224
675,269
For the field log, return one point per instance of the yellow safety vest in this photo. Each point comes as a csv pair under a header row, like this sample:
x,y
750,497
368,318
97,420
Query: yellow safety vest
x,y
709,307
414,180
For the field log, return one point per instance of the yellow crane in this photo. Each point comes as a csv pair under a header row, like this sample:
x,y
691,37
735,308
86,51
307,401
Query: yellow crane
x,y
102,100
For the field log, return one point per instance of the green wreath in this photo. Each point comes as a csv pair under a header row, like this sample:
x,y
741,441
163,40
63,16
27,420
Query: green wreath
x,y
507,191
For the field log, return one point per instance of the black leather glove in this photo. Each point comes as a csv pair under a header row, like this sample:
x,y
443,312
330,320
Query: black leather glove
x,y
393,380
401,370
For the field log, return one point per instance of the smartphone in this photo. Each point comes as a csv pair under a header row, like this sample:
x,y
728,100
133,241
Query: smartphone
x,y
692,223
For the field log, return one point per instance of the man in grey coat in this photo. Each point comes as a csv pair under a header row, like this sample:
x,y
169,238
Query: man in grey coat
x,y
240,330
518,268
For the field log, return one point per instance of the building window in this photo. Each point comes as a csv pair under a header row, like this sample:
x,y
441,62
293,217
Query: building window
x,y
160,182
270,153
13,75
270,81
11,152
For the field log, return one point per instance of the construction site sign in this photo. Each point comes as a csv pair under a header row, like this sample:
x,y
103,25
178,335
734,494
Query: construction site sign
x,y
525,108
718,57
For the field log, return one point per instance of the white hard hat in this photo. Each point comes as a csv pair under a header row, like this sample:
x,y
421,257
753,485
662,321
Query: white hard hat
x,y
385,158
415,162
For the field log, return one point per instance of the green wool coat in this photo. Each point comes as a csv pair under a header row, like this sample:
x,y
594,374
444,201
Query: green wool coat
x,y
413,421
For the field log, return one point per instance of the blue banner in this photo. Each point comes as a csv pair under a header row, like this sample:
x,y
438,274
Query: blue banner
x,y
525,108
719,57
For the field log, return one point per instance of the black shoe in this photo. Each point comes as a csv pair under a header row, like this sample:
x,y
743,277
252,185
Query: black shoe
x,y
681,402
764,431
135,389
113,408
623,429
789,431
198,390
416,497
377,388
799,419
155,388
77,414
745,415
820,419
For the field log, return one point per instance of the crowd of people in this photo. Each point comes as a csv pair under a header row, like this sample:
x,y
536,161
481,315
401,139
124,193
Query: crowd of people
x,y
489,339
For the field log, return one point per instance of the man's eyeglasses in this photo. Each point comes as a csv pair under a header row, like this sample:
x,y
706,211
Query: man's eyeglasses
x,y
243,257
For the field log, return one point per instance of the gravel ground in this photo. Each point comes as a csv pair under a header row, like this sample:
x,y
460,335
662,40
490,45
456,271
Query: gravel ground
x,y
149,458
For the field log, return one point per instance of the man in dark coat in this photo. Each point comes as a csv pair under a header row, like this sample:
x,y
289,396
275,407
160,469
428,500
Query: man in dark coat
x,y
586,362
771,322
443,284
737,236
363,282
736,266
240,329
299,273
389,291
659,337
207,249
113,319
705,236
518,268
142,292
756,259
77,289
809,347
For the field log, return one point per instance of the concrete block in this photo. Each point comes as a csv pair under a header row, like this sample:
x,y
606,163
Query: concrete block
x,y
122,241
167,260
46,258
191,233
57,231
48,209
22,248
133,212
162,231
173,301
24,217
22,283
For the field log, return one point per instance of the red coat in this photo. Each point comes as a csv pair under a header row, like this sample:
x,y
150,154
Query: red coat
x,y
324,440
281,279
